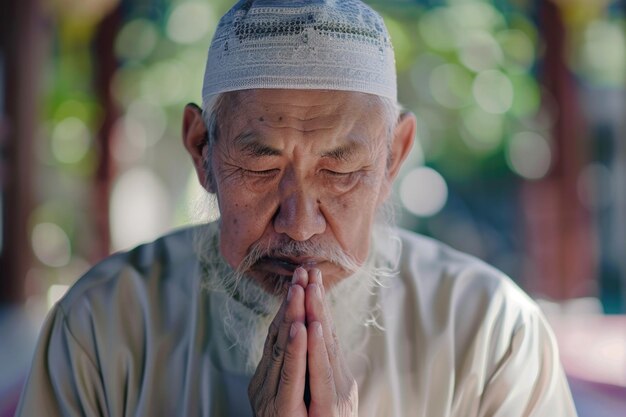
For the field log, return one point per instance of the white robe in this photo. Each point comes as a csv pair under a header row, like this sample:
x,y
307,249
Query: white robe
x,y
136,336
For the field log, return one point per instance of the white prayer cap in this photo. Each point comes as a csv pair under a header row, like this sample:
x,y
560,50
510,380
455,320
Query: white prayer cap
x,y
301,44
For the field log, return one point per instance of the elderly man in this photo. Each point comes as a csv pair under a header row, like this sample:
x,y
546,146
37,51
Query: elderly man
x,y
302,300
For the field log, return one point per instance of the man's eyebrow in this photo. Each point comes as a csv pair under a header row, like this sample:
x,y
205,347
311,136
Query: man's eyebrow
x,y
250,144
343,153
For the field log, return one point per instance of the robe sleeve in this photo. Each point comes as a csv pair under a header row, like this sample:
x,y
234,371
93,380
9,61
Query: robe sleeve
x,y
528,380
64,379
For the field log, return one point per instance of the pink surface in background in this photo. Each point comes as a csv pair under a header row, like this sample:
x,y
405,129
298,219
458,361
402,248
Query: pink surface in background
x,y
593,347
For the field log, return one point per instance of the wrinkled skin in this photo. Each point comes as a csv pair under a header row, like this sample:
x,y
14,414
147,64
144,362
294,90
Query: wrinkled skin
x,y
278,385
299,165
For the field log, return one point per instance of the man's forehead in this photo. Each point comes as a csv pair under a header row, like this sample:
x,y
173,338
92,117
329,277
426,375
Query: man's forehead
x,y
311,101
344,149
302,110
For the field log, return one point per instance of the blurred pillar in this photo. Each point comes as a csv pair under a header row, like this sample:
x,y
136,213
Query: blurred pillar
x,y
561,243
21,38
105,65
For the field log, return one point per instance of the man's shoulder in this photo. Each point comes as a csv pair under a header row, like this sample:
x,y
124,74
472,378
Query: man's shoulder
x,y
438,270
167,263
473,328
432,256
459,300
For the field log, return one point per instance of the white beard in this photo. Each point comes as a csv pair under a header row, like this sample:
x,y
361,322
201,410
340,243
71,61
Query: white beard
x,y
250,309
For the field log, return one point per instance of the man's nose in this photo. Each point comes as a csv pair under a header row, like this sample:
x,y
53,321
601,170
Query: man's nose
x,y
299,215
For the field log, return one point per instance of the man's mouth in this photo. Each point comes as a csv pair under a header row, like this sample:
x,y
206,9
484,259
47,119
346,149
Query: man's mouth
x,y
284,266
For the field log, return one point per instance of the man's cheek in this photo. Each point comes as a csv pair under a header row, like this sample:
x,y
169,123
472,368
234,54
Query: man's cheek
x,y
352,224
240,228
231,239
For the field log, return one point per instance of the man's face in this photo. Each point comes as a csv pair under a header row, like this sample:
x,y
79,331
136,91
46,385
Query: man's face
x,y
304,166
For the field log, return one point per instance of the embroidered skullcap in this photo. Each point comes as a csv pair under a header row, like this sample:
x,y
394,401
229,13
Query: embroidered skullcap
x,y
301,44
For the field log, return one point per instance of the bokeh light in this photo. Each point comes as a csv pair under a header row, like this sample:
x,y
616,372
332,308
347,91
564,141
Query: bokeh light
x,y
527,97
439,30
151,117
190,22
171,73
423,192
604,52
136,40
482,131
450,86
479,51
51,244
529,155
70,140
518,49
131,140
140,208
475,15
493,91
55,293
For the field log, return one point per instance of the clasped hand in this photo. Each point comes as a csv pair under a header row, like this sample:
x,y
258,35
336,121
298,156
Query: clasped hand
x,y
291,348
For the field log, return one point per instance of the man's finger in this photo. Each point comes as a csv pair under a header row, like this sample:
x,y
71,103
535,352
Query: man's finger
x,y
317,310
260,374
294,312
300,277
321,378
293,373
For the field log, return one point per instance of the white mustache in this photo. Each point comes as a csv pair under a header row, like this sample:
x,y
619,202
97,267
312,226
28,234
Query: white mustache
x,y
295,249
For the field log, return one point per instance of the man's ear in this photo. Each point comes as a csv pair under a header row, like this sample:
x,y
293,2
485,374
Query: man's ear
x,y
195,139
401,144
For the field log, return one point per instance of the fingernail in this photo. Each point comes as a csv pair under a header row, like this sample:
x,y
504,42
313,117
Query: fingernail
x,y
293,331
289,293
299,274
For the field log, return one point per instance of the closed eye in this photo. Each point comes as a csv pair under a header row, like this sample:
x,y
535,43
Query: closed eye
x,y
262,173
336,173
